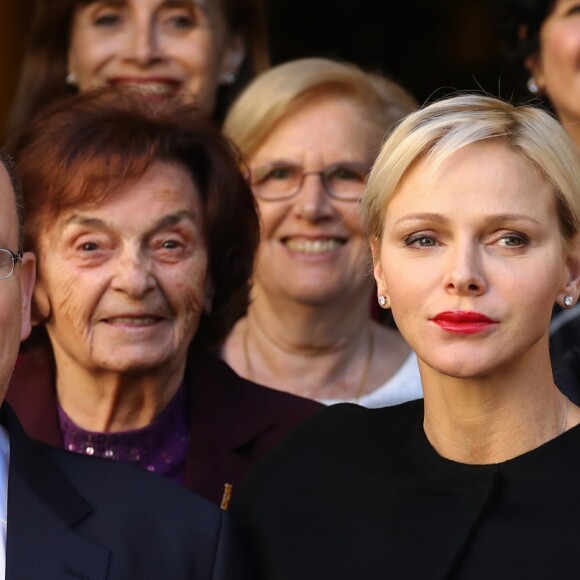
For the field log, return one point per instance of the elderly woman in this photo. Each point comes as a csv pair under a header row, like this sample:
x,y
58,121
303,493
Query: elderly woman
x,y
145,232
309,131
545,36
473,212
206,50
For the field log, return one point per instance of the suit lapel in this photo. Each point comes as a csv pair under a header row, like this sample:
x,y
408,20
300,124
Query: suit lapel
x,y
43,508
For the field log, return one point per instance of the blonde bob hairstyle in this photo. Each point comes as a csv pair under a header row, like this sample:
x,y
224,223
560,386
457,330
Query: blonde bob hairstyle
x,y
440,129
281,90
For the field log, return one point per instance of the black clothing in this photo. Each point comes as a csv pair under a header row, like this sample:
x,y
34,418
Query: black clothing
x,y
360,494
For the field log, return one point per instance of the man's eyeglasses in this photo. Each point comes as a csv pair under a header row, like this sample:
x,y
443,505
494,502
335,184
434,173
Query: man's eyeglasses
x,y
8,261
281,181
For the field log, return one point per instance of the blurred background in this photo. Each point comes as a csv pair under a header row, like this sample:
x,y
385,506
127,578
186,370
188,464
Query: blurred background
x,y
432,47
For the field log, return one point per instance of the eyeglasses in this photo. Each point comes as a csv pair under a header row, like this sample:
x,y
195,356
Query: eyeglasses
x,y
281,181
8,261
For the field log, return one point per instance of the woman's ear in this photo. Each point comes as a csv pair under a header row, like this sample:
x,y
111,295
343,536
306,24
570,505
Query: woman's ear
x,y
232,59
534,65
378,268
572,274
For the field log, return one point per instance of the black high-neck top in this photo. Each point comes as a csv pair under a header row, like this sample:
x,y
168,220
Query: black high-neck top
x,y
361,494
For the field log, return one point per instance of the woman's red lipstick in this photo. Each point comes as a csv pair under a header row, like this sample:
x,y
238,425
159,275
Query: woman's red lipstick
x,y
463,322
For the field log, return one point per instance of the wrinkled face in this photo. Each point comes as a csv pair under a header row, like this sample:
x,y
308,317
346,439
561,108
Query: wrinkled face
x,y
472,261
556,68
15,291
313,249
163,48
122,285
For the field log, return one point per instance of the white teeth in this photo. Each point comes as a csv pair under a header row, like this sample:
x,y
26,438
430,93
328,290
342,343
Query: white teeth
x,y
313,246
154,88
134,321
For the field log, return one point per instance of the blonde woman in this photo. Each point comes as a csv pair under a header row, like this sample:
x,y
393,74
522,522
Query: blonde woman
x,y
473,212
310,130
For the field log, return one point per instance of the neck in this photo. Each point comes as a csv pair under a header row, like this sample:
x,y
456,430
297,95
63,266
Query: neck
x,y
108,402
275,344
495,418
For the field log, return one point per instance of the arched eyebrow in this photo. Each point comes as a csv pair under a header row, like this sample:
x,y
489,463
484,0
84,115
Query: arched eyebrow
x,y
423,216
201,4
509,217
490,220
163,222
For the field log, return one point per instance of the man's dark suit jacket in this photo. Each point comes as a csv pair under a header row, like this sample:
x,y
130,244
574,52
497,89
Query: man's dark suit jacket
x,y
233,422
74,517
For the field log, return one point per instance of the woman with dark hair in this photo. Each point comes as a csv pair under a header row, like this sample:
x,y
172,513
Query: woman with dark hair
x,y
544,36
145,233
203,50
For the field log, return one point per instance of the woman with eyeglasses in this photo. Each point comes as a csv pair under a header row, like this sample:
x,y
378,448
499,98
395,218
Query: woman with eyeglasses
x,y
309,131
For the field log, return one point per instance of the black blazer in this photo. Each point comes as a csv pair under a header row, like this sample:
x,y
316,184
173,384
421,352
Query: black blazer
x,y
75,517
360,494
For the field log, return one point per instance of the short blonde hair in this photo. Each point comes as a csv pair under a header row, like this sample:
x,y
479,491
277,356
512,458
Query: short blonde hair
x,y
280,91
442,128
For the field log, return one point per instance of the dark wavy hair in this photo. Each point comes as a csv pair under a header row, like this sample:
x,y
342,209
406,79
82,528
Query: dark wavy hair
x,y
80,151
44,68
517,16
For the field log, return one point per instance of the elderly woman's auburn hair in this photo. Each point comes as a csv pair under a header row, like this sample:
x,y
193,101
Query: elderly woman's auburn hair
x,y
281,90
81,151
44,68
442,128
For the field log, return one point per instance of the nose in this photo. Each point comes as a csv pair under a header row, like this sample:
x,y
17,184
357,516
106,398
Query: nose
x,y
143,43
465,276
133,274
312,202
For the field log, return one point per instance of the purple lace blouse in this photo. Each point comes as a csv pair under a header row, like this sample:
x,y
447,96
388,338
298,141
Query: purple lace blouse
x,y
160,447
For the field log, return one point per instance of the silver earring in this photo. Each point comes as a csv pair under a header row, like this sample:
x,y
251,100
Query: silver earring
x,y
568,301
71,79
383,301
229,78
532,86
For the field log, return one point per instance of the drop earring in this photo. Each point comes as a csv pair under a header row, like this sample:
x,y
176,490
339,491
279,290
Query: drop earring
x,y
229,78
533,86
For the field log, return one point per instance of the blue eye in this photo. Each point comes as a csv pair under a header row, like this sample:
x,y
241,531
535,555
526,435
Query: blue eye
x,y
514,240
420,241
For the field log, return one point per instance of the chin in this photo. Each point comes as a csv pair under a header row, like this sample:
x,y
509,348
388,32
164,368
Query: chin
x,y
464,367
129,365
